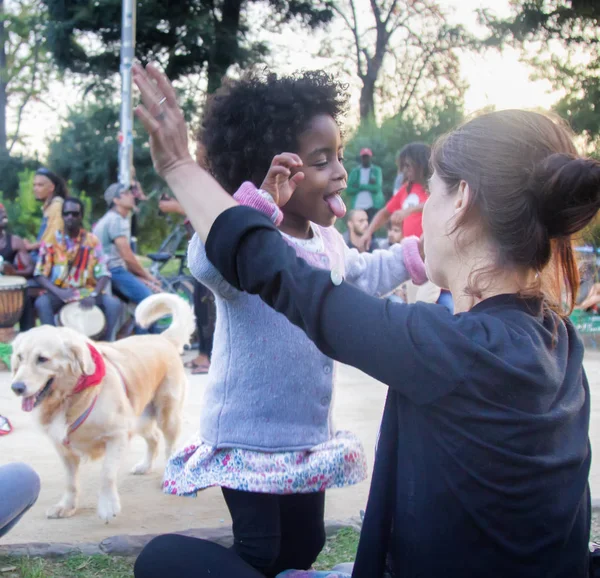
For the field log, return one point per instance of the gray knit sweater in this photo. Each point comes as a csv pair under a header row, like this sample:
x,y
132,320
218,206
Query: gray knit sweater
x,y
269,388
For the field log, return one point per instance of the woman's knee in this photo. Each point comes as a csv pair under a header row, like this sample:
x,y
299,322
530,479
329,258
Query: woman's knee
x,y
155,559
25,478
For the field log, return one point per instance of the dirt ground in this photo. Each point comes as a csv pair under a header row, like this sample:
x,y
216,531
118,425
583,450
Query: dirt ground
x,y
145,509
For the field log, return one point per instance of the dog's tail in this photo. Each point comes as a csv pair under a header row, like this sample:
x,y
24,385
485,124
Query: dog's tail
x,y
160,305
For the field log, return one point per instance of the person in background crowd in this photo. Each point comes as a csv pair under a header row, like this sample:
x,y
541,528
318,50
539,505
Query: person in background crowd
x,y
139,196
399,176
73,268
357,223
365,185
129,278
394,235
204,308
15,258
19,490
51,190
406,207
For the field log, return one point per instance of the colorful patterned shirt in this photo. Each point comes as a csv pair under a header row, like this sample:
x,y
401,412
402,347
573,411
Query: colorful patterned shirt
x,y
73,263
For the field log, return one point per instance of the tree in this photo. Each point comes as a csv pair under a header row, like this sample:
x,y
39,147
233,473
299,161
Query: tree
x,y
184,36
24,63
404,44
572,30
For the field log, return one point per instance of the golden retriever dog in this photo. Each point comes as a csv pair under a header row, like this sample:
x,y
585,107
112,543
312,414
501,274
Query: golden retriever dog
x,y
91,397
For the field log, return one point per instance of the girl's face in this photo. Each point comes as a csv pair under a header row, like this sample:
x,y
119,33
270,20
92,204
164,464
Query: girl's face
x,y
413,173
43,187
439,239
320,148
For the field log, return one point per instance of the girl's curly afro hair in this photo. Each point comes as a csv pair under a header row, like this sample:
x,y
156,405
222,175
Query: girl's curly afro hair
x,y
249,121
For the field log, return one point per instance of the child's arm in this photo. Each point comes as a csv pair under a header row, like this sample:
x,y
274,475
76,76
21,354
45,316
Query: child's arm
x,y
380,272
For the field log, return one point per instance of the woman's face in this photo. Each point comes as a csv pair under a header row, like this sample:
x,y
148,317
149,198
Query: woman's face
x,y
439,238
43,187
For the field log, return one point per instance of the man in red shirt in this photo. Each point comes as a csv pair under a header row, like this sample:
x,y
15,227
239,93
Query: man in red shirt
x,y
405,208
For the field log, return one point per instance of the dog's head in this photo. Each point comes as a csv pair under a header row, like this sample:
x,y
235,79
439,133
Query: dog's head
x,y
47,362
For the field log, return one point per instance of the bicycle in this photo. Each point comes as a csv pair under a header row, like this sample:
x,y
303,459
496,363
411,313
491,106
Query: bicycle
x,y
181,284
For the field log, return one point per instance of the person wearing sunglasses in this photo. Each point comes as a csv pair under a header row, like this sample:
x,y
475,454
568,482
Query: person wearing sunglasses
x,y
74,268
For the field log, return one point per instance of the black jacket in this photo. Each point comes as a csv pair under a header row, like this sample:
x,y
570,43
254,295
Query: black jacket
x,y
483,458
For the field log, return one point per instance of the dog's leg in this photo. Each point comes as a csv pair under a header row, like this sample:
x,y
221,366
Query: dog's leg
x,y
148,430
68,503
109,504
169,421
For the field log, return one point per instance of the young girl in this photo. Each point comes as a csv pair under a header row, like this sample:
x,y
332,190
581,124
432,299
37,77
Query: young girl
x,y
405,208
483,456
266,432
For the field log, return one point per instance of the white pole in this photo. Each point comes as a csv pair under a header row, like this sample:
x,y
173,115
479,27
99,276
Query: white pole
x,y
127,56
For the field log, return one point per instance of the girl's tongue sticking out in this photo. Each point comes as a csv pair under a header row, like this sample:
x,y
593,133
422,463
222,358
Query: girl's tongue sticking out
x,y
336,204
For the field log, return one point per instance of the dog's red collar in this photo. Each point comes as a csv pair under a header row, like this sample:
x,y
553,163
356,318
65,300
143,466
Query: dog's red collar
x,y
86,381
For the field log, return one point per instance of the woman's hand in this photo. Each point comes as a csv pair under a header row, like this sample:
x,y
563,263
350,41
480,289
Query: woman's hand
x,y
162,118
279,182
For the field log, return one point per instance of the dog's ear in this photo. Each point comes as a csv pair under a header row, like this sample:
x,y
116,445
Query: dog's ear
x,y
82,356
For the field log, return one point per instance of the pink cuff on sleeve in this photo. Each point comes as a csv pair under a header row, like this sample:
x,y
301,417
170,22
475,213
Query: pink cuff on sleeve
x,y
412,260
249,196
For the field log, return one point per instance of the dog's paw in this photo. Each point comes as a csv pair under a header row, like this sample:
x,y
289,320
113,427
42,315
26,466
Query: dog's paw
x,y
60,510
141,469
109,506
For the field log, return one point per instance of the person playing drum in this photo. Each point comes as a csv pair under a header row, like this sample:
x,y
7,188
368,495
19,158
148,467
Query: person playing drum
x,y
73,268
15,258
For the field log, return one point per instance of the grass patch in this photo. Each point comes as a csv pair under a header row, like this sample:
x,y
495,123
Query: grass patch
x,y
98,566
339,548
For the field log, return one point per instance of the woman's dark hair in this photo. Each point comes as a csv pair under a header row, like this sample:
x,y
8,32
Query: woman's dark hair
x,y
530,189
60,187
420,154
247,122
75,201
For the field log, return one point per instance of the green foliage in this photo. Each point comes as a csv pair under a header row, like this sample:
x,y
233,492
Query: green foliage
x,y
24,211
574,25
28,70
185,37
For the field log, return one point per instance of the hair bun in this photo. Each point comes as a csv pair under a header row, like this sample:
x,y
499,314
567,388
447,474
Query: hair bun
x,y
567,189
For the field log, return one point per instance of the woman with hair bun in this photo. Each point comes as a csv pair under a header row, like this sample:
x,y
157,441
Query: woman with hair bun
x,y
483,456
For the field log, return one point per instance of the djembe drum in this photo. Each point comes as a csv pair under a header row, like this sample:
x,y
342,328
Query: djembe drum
x,y
12,299
90,322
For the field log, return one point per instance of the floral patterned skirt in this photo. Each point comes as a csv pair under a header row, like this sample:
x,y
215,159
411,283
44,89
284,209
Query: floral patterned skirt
x,y
333,464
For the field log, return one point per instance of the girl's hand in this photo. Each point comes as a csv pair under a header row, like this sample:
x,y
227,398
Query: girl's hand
x,y
279,183
161,116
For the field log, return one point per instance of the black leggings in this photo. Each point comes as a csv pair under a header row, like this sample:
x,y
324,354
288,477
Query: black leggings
x,y
272,533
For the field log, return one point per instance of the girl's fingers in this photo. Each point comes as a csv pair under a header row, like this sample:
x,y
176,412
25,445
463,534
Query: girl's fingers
x,y
296,180
289,160
279,171
163,84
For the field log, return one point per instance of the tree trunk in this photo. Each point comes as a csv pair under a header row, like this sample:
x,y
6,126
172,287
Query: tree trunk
x,y
226,43
367,100
3,98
